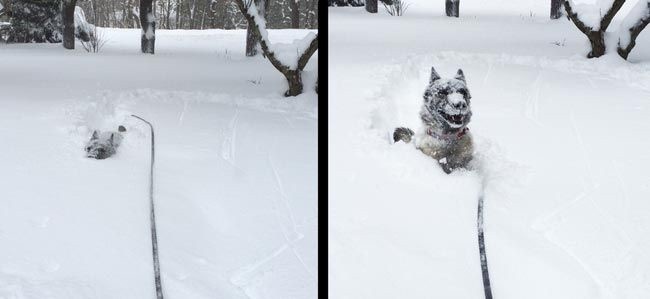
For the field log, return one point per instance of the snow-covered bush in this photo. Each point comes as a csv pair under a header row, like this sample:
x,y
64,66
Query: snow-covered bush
x,y
345,2
82,29
95,42
36,21
395,7
594,19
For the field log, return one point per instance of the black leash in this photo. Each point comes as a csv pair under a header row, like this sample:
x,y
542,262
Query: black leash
x,y
152,214
481,249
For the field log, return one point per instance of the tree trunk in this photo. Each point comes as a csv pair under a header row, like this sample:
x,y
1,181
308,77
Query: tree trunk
x,y
294,78
556,11
597,41
624,52
68,23
596,38
148,23
295,13
371,6
252,40
452,8
313,14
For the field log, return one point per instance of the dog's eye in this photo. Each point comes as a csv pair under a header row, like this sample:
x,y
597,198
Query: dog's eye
x,y
443,92
463,92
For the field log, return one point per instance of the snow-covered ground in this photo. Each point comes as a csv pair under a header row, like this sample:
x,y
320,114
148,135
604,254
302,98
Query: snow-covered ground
x,y
562,142
236,170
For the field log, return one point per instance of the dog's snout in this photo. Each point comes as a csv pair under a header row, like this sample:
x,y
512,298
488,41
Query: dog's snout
x,y
460,105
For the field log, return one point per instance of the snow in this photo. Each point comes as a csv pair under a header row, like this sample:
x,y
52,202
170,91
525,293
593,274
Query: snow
x,y
561,148
235,177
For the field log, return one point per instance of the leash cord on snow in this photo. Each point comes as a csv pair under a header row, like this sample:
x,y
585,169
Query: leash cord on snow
x,y
152,215
481,248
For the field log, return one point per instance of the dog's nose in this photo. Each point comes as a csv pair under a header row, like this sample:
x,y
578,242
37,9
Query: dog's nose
x,y
460,105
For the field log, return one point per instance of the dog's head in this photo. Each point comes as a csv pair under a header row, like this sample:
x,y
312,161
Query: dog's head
x,y
446,102
100,148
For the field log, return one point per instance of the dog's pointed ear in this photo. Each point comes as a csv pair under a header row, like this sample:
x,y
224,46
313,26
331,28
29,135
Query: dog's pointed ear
x,y
95,135
434,76
460,76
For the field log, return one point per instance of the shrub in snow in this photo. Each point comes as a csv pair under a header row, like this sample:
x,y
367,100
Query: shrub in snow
x,y
395,7
590,20
289,59
35,21
95,42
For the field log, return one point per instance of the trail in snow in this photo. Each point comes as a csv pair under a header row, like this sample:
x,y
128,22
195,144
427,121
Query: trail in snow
x,y
289,212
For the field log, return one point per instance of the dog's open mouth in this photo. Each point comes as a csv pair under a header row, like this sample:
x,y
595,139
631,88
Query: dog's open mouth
x,y
456,119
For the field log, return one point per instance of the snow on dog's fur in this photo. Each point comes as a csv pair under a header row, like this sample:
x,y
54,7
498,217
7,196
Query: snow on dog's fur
x,y
104,144
445,115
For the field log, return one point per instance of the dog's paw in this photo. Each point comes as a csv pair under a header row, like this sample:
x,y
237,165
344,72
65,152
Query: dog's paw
x,y
403,134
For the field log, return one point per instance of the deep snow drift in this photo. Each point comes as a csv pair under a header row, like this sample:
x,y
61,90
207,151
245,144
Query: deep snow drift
x,y
236,201
562,143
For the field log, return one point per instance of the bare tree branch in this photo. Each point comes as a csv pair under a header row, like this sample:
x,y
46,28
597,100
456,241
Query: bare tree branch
x,y
634,31
609,15
573,16
313,46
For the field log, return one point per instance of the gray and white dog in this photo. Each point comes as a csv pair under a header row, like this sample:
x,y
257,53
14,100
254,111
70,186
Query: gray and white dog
x,y
104,144
445,115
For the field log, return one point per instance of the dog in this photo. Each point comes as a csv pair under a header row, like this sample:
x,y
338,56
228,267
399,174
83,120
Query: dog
x,y
445,115
104,144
